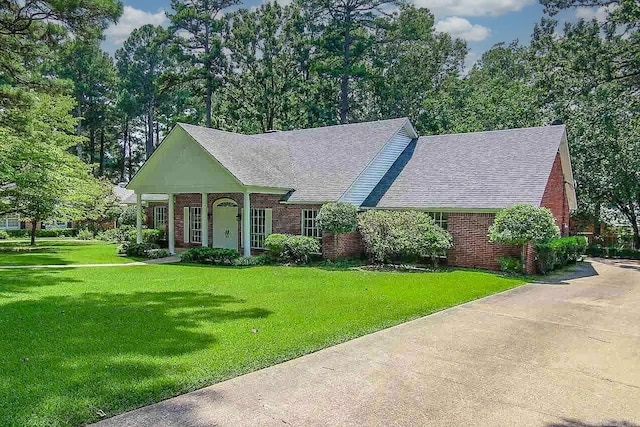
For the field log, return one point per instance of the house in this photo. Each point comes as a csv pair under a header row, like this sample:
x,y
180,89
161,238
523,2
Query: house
x,y
231,190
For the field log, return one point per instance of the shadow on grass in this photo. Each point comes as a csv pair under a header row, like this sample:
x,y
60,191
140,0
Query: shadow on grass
x,y
22,281
66,358
567,422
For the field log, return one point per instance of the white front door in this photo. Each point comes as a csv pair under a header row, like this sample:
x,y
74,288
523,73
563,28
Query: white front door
x,y
225,224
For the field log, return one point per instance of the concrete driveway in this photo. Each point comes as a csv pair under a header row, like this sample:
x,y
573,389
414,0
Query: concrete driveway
x,y
556,354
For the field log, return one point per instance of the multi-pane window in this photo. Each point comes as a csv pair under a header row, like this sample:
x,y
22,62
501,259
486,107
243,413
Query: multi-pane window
x,y
10,222
258,228
195,231
159,217
309,224
441,218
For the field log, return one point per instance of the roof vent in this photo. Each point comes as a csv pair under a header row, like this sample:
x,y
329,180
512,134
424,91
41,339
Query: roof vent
x,y
557,122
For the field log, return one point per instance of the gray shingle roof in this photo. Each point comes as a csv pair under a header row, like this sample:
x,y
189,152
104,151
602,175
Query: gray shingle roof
x,y
484,170
318,163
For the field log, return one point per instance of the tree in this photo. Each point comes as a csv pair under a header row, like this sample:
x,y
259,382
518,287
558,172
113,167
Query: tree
x,y
141,62
202,43
92,72
523,224
46,181
346,39
337,218
409,64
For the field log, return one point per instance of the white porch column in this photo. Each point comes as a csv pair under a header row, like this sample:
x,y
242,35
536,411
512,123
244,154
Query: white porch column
x,y
246,225
172,225
205,219
138,217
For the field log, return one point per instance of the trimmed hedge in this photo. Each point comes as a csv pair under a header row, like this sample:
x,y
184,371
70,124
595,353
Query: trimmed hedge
x,y
139,250
55,232
289,248
559,252
613,252
213,256
149,235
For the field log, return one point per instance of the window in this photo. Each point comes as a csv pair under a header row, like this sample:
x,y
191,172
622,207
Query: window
x,y
195,232
55,224
441,218
309,225
10,222
258,228
159,217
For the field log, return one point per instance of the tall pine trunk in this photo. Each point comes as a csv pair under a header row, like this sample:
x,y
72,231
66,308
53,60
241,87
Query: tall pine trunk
x,y
344,78
101,167
125,137
150,145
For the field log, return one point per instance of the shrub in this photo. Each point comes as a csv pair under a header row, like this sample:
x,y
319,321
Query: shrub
x,y
559,252
288,248
247,261
54,232
149,235
299,249
510,265
85,234
392,235
613,252
139,250
522,224
115,235
337,218
213,256
157,253
128,216
275,245
3,235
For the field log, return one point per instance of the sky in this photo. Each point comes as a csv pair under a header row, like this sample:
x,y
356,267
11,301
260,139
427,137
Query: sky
x,y
482,23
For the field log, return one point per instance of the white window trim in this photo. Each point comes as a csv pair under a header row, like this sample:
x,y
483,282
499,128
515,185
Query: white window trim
x,y
315,231
258,231
156,223
195,233
4,222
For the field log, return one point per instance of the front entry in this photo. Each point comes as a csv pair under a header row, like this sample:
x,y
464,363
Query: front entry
x,y
225,224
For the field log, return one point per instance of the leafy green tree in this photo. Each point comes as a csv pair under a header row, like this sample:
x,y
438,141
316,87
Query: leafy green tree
x,y
409,64
523,224
197,26
44,181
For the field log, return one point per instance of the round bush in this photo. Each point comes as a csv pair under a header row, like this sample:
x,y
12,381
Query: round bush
x,y
338,218
275,245
3,235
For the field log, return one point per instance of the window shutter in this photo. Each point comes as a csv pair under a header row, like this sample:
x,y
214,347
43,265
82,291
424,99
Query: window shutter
x,y
186,224
268,221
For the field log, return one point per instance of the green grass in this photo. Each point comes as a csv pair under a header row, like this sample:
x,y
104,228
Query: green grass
x,y
59,252
76,342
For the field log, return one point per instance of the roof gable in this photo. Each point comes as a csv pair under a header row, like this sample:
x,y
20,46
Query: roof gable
x,y
179,165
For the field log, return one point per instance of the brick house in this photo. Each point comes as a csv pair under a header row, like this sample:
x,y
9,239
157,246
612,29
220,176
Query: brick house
x,y
231,190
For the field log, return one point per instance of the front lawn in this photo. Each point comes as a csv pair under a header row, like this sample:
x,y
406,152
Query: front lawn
x,y
83,342
59,252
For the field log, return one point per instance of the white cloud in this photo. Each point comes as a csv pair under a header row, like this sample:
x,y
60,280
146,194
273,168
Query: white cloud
x,y
600,14
460,27
131,19
473,7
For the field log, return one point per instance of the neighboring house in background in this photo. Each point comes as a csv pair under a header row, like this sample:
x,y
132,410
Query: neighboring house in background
x,y
232,190
156,205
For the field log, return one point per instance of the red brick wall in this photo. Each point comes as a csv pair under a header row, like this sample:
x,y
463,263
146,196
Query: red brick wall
x,y
471,245
555,196
348,246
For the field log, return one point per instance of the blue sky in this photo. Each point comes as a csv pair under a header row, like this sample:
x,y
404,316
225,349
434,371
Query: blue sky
x,y
482,23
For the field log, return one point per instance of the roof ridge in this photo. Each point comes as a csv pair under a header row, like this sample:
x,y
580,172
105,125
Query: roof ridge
x,y
493,131
335,126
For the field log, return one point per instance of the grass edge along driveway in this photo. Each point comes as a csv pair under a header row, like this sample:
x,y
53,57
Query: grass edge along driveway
x,y
80,344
